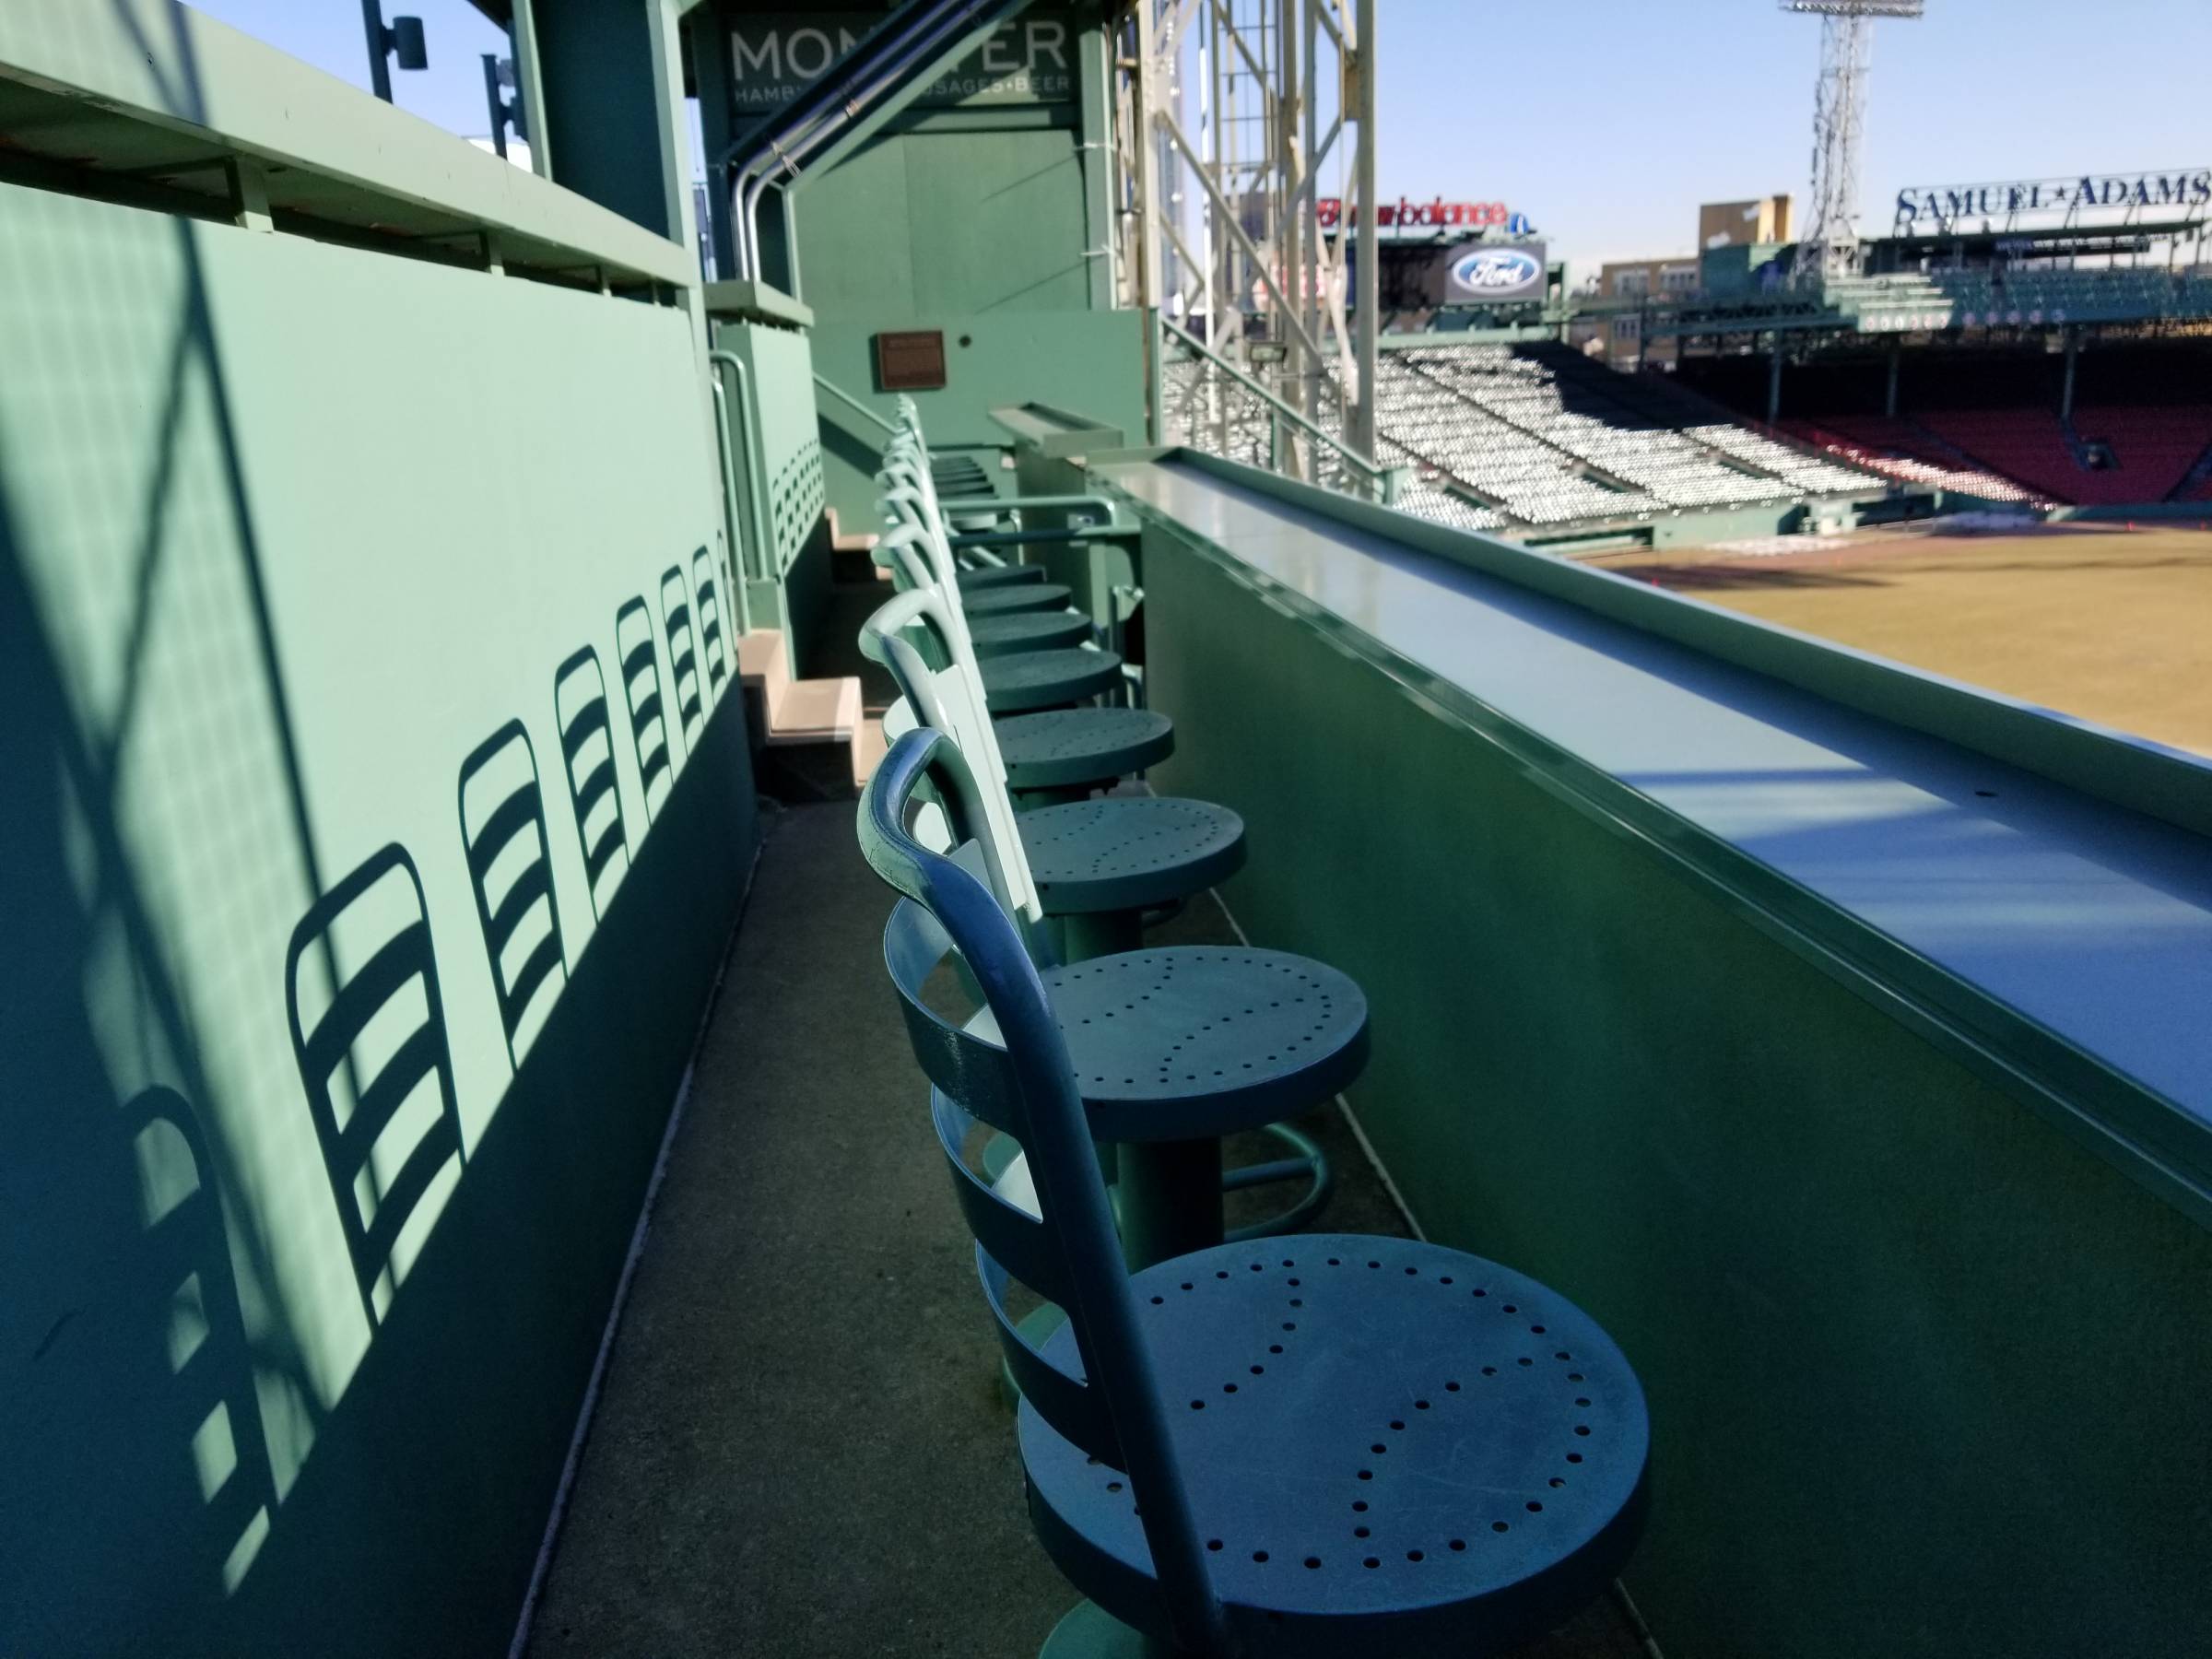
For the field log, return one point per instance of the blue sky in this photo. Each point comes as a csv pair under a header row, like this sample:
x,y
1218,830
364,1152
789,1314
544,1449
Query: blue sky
x,y
1608,121
328,34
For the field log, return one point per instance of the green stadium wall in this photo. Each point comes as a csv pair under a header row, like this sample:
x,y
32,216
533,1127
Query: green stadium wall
x,y
287,529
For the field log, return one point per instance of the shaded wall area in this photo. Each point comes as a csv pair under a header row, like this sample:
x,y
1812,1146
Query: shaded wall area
x,y
2173,372
378,816
1920,1365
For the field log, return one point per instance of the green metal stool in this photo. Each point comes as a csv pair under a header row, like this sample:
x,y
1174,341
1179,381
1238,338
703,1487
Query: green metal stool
x,y
1048,679
1085,874
1051,753
1009,597
1094,867
1018,682
1077,749
1324,1445
1028,631
997,575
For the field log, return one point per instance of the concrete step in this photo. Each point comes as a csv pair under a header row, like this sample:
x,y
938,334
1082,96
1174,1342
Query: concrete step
x,y
852,556
789,713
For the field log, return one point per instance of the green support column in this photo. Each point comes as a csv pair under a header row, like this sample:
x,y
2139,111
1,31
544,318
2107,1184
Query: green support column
x,y
1775,382
2066,397
1897,353
599,62
1093,47
1169,1198
530,84
709,40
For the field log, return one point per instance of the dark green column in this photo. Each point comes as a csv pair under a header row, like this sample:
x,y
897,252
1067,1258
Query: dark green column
x,y
604,113
707,36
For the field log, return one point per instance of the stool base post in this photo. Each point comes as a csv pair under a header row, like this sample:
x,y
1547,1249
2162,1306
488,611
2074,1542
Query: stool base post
x,y
1168,1194
1100,932
1088,1631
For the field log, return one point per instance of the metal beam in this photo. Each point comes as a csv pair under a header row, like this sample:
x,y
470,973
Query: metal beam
x,y
1228,222
1363,64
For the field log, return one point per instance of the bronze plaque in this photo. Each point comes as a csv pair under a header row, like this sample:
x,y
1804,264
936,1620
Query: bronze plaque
x,y
911,361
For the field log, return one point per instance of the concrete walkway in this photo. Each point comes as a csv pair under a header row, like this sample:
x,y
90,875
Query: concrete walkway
x,y
800,1448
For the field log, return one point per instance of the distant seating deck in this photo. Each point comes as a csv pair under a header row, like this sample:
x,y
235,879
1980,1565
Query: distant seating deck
x,y
1899,449
2026,455
1533,434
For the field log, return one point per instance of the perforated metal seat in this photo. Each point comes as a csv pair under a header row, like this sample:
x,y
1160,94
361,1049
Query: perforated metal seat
x,y
1389,1446
1181,1042
1009,597
1129,852
1064,748
1173,1049
1029,630
1046,680
999,575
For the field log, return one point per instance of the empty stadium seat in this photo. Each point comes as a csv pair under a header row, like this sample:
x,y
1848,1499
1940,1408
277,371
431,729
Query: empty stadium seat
x,y
1529,434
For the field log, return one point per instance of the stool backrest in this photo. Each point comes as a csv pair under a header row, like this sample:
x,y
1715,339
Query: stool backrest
x,y
1024,1085
949,698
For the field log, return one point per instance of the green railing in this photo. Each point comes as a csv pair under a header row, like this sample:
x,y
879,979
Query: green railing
x,y
823,383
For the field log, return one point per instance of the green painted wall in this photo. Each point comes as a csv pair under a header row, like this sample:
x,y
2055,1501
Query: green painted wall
x,y
950,217
775,414
287,530
1927,1377
964,201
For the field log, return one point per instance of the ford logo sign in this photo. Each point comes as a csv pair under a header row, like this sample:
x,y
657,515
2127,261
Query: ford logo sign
x,y
1495,270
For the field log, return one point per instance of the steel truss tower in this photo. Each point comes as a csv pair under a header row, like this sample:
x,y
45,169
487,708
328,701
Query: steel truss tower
x,y
1832,239
1234,120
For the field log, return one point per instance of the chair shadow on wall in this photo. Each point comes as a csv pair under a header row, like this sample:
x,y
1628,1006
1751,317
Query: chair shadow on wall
x,y
587,754
714,645
641,692
683,653
185,1269
137,1488
137,1491
510,868
366,1045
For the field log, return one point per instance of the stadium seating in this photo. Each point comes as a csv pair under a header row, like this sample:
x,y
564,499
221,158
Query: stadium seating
x,y
1429,497
2157,448
1534,481
2062,296
1899,449
1577,408
1982,297
1541,433
2029,445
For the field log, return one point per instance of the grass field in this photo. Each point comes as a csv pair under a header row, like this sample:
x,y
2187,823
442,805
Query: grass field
x,y
2107,623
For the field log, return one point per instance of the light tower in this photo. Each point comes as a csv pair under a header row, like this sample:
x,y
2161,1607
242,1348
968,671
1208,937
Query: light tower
x,y
1832,239
1221,223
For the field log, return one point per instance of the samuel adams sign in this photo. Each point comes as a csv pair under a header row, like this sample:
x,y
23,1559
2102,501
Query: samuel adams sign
x,y
2184,191
1030,60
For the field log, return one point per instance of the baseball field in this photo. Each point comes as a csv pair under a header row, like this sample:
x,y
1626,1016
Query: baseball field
x,y
2103,621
